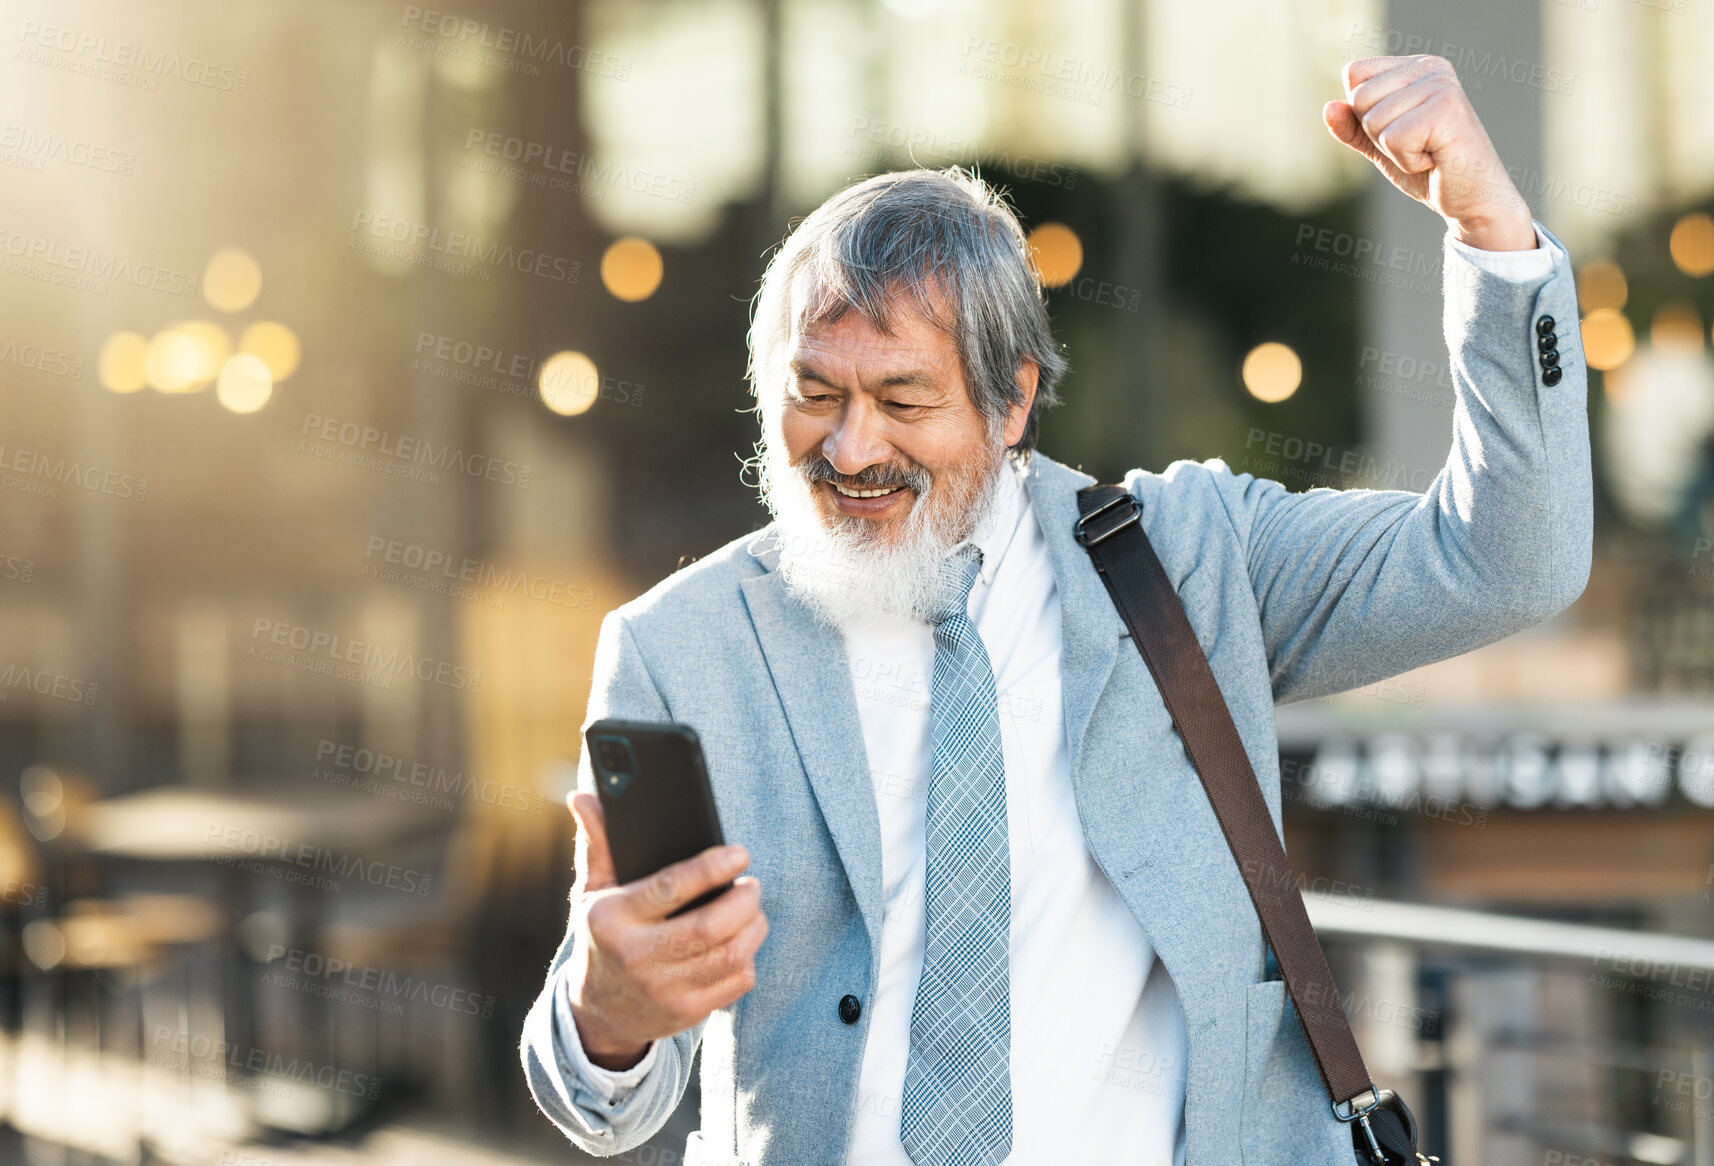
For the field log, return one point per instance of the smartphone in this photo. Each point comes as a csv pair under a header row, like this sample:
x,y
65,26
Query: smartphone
x,y
655,794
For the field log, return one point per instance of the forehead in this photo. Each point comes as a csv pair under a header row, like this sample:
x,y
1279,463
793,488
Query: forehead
x,y
852,338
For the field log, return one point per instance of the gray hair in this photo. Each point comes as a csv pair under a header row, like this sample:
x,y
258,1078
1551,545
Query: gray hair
x,y
945,243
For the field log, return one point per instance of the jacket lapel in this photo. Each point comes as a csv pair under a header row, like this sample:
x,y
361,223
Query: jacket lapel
x,y
1145,816
1120,790
1091,627
806,660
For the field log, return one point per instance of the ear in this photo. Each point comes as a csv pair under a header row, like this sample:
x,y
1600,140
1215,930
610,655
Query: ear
x,y
1018,415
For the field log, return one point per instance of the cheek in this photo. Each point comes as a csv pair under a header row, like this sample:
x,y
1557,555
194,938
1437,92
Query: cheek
x,y
801,434
949,446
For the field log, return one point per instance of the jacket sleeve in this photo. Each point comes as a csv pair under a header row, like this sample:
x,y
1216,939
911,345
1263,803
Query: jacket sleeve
x,y
603,1113
1354,586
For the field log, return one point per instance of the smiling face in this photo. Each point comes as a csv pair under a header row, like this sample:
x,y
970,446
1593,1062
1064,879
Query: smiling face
x,y
881,424
876,463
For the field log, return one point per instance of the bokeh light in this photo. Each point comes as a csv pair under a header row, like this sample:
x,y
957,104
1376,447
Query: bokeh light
x,y
276,345
232,280
213,346
245,383
569,383
121,362
1057,254
171,361
1608,340
631,269
1602,285
1692,244
1677,325
1272,372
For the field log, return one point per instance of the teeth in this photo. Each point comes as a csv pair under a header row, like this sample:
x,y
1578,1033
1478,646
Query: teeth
x,y
865,493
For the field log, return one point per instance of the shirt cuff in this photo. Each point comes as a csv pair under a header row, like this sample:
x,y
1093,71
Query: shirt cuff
x,y
1515,266
612,1087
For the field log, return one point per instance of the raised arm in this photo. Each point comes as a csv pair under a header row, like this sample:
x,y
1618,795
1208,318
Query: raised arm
x,y
1357,585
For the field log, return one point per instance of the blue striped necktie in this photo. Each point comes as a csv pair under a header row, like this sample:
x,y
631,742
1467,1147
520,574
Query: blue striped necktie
x,y
957,1108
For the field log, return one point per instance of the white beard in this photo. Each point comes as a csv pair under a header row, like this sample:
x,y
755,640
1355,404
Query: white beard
x,y
843,573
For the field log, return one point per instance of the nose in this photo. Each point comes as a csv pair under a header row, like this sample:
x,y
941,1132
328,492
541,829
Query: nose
x,y
857,442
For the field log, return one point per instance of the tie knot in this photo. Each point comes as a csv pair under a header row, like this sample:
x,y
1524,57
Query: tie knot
x,y
957,576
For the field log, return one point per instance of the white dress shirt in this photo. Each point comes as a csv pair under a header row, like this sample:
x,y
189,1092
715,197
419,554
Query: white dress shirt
x,y
1099,1046
1097,1062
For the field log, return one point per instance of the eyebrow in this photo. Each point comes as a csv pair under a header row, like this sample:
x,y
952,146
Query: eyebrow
x,y
803,370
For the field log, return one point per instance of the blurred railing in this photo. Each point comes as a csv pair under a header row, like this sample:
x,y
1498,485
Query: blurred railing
x,y
1504,1033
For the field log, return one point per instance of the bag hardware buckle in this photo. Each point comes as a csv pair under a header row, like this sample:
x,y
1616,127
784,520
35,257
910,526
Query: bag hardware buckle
x,y
1081,530
1359,1111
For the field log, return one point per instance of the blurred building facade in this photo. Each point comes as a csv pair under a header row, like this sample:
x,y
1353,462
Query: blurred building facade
x,y
356,359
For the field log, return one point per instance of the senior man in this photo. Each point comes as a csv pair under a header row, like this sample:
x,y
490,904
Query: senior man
x,y
1001,921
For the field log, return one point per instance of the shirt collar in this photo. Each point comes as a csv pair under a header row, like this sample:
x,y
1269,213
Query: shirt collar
x,y
994,534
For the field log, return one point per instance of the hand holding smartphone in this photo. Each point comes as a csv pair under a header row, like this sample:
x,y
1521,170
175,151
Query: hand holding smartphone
x,y
668,931
655,796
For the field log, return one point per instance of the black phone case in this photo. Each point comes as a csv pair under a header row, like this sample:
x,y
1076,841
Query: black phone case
x,y
665,812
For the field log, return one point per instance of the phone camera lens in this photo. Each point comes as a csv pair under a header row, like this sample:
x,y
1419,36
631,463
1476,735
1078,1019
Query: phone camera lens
x,y
615,758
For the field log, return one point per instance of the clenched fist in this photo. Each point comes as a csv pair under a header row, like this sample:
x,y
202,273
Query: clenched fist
x,y
637,975
1412,119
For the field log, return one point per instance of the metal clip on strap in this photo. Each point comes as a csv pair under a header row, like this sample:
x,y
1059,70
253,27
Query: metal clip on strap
x,y
1133,514
1357,1109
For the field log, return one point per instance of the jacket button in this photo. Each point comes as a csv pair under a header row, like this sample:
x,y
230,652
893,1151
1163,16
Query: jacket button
x,y
1550,358
1544,325
1546,341
850,1008
1551,376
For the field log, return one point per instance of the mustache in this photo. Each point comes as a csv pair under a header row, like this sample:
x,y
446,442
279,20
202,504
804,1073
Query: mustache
x,y
816,468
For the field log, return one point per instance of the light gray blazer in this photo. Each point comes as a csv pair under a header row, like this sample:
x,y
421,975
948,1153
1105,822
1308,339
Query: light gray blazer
x,y
1291,595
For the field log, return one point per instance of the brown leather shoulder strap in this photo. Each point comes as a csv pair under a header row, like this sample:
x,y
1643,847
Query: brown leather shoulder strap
x,y
1111,530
